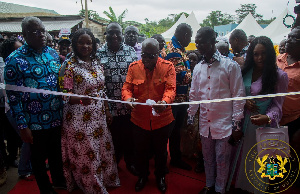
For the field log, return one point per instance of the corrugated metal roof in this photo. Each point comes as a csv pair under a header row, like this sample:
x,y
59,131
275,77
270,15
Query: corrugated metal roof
x,y
15,26
15,8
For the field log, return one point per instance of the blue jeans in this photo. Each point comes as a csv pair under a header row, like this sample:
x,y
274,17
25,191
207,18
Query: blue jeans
x,y
24,163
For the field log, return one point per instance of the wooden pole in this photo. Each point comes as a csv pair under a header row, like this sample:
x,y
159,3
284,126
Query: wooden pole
x,y
86,15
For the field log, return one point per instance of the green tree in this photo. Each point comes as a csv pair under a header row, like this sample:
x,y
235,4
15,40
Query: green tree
x,y
177,16
244,10
114,18
266,21
93,15
216,18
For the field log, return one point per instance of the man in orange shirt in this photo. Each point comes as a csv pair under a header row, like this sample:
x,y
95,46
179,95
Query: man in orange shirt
x,y
290,63
150,78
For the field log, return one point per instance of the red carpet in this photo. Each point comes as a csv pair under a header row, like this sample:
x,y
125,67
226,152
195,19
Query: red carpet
x,y
178,182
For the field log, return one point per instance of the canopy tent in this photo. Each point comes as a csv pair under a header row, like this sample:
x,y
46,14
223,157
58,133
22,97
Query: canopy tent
x,y
249,25
191,20
170,32
276,30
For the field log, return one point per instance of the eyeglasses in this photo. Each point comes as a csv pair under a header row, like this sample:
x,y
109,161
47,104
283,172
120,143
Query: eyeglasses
x,y
148,55
131,33
38,32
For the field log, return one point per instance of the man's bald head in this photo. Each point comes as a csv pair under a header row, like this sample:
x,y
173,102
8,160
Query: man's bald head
x,y
150,50
223,48
151,43
131,35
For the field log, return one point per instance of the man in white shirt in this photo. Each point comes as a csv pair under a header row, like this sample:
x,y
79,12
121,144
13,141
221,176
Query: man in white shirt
x,y
216,77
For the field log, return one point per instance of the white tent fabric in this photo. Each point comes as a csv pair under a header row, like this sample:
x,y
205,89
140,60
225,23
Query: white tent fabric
x,y
249,25
191,20
276,30
170,32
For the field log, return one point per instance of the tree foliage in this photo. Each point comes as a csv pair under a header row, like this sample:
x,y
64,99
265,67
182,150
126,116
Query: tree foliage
x,y
244,10
149,28
92,15
114,18
266,21
216,18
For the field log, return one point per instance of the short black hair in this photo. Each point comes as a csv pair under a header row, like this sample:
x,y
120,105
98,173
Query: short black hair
x,y
208,33
196,52
7,47
183,28
98,40
269,72
113,23
76,36
155,36
239,34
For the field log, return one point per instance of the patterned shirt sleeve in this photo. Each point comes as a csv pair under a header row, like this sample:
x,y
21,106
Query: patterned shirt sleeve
x,y
13,76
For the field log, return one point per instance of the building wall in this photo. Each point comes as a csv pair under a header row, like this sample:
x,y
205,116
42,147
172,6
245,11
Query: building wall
x,y
97,29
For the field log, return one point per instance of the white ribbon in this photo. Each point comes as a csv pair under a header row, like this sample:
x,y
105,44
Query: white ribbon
x,y
42,91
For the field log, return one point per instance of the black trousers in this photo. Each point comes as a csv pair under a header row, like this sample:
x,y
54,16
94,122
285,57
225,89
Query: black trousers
x,y
121,132
293,127
3,156
47,144
179,113
14,141
153,140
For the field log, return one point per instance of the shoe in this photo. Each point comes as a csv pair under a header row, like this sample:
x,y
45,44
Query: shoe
x,y
180,164
161,184
208,190
28,177
140,184
131,168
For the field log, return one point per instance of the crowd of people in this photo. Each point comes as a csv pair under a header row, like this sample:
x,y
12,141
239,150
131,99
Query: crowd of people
x,y
84,138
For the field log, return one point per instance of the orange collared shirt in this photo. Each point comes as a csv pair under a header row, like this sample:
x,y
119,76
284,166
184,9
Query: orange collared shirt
x,y
291,105
157,85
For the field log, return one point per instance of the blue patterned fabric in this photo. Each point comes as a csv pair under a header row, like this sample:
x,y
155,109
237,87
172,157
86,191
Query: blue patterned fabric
x,y
26,67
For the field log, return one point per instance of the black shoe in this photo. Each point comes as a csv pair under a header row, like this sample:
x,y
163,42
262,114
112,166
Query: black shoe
x,y
180,164
140,184
208,190
131,168
161,184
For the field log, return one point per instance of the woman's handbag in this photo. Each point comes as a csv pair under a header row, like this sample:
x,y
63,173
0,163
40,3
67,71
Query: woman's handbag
x,y
273,141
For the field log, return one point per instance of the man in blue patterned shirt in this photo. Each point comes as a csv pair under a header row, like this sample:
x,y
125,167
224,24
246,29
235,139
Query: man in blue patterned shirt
x,y
116,57
38,116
